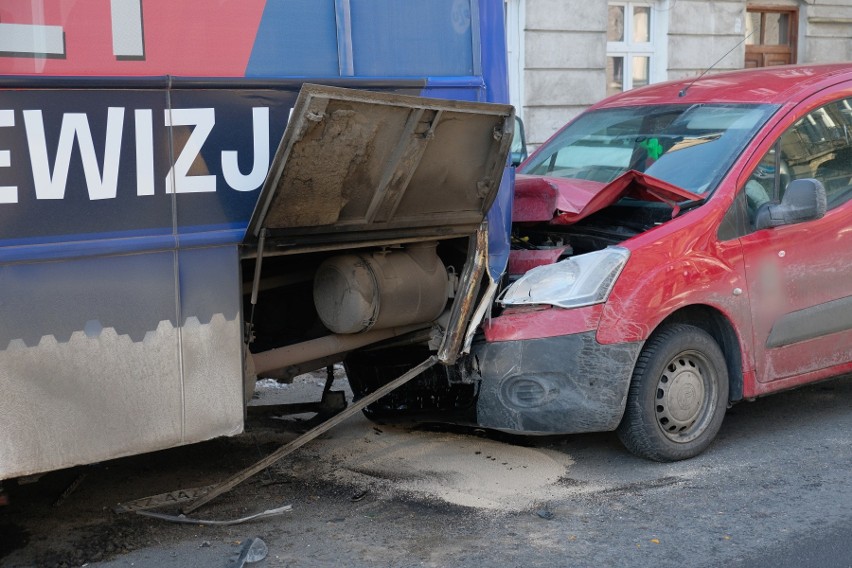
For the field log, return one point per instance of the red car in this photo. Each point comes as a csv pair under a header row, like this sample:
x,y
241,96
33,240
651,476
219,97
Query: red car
x,y
676,249
706,231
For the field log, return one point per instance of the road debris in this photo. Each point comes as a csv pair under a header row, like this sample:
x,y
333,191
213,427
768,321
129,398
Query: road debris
x,y
545,512
252,550
183,519
70,489
290,447
163,499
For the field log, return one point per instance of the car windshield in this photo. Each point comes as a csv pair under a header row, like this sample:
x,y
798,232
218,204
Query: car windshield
x,y
690,146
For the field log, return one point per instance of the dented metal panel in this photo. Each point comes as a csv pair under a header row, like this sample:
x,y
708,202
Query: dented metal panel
x,y
555,385
357,167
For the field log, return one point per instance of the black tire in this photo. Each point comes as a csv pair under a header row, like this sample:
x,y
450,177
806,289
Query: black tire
x,y
678,395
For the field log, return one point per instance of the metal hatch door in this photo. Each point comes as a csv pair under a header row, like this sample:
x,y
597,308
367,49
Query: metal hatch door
x,y
358,168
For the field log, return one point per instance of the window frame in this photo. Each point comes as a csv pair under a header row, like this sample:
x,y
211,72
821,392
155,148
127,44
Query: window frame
x,y
766,52
654,49
822,147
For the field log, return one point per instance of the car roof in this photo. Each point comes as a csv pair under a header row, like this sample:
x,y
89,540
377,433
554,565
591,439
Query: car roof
x,y
769,85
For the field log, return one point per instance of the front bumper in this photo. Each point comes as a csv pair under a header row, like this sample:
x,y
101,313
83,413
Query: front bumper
x,y
555,385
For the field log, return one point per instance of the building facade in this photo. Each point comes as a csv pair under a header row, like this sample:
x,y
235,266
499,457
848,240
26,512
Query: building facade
x,y
565,55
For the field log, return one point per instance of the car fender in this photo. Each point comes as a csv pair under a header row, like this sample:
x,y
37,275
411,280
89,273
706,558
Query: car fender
x,y
672,274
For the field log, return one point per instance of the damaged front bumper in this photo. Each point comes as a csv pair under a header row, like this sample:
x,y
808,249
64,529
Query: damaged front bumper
x,y
531,372
553,385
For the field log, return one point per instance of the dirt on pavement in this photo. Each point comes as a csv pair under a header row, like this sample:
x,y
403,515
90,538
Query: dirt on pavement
x,y
68,518
368,494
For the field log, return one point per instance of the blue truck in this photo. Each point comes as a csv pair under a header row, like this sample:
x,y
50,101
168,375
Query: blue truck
x,y
193,195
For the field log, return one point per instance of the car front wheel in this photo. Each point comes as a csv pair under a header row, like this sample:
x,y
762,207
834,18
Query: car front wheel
x,y
678,395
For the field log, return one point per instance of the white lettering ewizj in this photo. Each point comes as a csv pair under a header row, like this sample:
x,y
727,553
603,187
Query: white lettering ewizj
x,y
190,129
8,193
178,179
230,167
74,125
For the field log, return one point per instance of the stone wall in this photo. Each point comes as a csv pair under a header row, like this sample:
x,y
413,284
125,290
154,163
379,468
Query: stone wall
x,y
703,31
825,32
565,57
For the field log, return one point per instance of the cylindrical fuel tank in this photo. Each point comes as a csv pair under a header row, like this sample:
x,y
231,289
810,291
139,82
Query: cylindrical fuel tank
x,y
376,290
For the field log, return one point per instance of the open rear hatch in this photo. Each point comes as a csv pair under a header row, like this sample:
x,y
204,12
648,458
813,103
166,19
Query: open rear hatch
x,y
358,168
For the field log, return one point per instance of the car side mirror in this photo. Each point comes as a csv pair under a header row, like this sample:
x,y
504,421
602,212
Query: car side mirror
x,y
804,200
519,143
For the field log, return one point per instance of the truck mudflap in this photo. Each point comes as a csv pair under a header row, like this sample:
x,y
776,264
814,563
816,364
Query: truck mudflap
x,y
528,387
357,168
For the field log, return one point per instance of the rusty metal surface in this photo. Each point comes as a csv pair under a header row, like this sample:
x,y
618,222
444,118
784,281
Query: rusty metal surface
x,y
464,304
162,500
357,166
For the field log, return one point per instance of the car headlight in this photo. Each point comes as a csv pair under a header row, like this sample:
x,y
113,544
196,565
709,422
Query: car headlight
x,y
581,280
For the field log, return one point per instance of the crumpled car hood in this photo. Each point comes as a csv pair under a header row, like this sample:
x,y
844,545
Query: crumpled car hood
x,y
564,201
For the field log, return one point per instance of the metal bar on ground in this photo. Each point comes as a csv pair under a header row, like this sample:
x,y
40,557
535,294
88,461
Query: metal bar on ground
x,y
278,454
187,521
162,500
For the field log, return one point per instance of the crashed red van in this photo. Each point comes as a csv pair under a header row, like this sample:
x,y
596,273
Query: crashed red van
x,y
675,249
692,245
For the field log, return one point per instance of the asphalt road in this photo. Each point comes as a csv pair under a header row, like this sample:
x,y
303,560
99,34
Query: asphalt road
x,y
774,490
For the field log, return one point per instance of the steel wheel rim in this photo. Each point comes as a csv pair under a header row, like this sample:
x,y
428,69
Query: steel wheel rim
x,y
685,399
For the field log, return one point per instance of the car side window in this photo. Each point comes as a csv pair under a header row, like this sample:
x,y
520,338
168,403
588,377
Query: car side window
x,y
819,145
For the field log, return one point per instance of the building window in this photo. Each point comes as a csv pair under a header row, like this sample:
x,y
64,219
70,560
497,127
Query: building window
x,y
632,50
770,36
